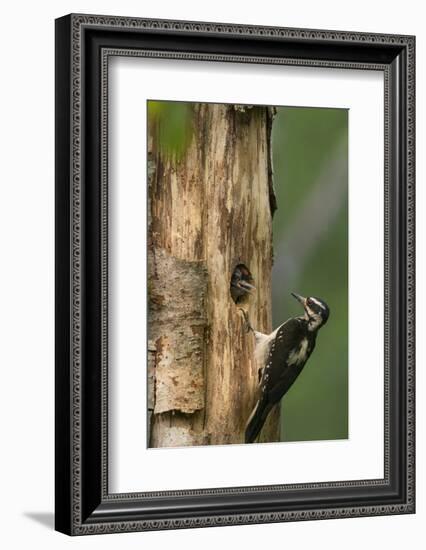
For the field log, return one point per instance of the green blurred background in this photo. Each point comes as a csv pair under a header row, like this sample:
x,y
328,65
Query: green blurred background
x,y
310,231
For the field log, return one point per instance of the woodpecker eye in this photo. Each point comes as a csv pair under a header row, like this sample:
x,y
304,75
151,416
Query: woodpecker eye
x,y
313,305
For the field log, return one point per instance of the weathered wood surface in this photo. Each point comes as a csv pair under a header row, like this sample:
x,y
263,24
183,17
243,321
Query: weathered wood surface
x,y
208,212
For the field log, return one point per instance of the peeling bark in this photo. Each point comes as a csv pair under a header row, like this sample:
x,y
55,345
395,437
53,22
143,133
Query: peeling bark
x,y
177,323
208,212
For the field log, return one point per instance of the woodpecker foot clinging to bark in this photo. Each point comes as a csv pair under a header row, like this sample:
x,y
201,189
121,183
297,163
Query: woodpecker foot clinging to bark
x,y
247,324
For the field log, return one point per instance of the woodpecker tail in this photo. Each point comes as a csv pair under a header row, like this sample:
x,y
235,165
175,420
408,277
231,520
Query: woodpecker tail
x,y
256,420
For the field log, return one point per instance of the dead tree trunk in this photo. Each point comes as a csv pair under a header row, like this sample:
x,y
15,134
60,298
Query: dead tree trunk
x,y
208,212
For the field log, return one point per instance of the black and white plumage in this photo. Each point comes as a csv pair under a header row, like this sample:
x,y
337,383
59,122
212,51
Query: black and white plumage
x,y
281,356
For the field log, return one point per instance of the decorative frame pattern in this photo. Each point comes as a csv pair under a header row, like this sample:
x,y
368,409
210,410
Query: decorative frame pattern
x,y
83,49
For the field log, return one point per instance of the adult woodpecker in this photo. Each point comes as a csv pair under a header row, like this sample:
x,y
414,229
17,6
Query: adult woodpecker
x,y
241,283
281,356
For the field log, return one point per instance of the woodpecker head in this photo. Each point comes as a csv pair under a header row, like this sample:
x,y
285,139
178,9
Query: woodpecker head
x,y
241,282
316,311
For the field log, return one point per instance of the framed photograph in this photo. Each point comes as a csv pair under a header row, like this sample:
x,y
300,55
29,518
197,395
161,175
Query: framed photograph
x,y
234,274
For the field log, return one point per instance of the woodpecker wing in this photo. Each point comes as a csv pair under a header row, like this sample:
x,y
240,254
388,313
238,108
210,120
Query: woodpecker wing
x,y
288,353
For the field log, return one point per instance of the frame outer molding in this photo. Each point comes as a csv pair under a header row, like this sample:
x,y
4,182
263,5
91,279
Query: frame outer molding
x,y
69,57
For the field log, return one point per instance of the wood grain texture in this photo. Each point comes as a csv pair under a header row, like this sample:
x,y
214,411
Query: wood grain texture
x,y
209,211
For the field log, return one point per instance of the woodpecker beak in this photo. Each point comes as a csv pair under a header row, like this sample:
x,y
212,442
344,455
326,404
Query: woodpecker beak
x,y
299,298
247,287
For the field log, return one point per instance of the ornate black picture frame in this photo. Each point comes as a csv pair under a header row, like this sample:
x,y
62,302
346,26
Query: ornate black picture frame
x,y
83,45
